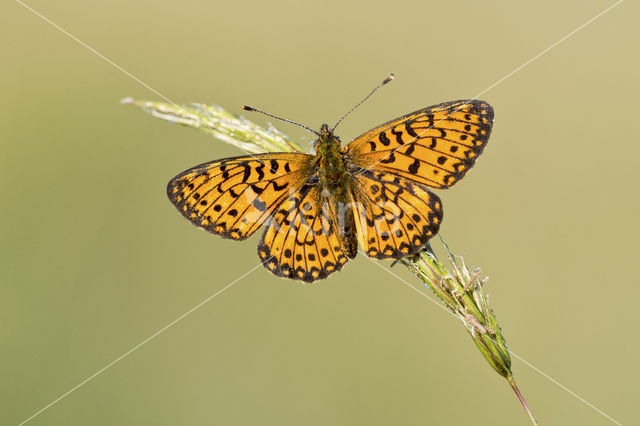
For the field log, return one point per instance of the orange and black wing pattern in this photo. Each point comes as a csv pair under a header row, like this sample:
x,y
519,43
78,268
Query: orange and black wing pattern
x,y
233,197
396,216
301,241
434,146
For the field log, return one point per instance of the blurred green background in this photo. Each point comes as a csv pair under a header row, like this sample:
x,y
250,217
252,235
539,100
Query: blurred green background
x,y
95,259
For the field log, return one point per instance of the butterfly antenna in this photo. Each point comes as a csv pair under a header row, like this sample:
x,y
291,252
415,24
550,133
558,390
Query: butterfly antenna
x,y
385,81
249,108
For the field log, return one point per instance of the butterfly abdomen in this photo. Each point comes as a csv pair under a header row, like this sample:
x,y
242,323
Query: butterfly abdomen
x,y
348,234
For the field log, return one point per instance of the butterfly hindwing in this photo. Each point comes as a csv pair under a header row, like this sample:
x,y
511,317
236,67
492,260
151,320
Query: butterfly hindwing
x,y
396,216
301,240
233,197
436,145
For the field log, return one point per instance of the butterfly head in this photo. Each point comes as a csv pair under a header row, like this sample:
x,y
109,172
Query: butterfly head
x,y
326,141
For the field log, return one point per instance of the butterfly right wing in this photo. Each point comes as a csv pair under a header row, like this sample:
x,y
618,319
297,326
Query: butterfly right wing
x,y
395,217
233,197
435,146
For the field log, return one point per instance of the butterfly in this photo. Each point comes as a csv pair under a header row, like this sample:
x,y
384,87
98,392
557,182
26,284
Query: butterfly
x,y
318,208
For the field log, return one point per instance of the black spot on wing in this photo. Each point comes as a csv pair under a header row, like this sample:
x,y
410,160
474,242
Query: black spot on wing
x,y
274,166
389,159
409,129
413,168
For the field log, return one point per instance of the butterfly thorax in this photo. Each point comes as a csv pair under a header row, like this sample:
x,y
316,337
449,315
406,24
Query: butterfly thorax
x,y
332,169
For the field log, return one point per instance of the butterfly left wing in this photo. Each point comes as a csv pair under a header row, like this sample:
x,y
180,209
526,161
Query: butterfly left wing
x,y
233,197
435,146
301,241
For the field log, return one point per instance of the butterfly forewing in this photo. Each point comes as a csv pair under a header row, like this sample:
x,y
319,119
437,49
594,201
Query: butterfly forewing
x,y
435,146
235,196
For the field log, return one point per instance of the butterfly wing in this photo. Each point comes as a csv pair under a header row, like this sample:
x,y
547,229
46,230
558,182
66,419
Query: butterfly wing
x,y
435,146
395,217
233,197
301,241
394,164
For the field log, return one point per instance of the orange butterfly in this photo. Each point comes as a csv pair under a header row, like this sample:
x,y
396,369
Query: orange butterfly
x,y
373,192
